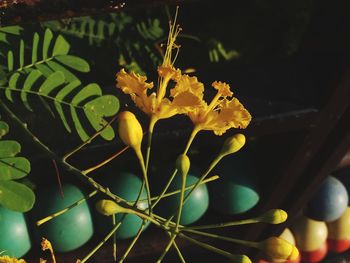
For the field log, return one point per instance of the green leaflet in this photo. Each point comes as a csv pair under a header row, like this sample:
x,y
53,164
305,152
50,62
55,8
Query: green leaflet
x,y
4,129
74,62
9,148
47,52
13,195
63,98
14,30
16,196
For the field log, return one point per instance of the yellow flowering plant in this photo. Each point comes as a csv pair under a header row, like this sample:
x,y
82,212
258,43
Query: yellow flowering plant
x,y
175,93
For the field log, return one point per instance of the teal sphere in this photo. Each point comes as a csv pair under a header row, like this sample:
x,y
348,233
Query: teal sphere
x,y
127,186
194,208
235,192
70,230
14,236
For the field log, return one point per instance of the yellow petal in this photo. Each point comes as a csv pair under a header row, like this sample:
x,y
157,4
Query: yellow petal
x,y
132,83
136,86
165,110
188,84
223,88
169,72
234,113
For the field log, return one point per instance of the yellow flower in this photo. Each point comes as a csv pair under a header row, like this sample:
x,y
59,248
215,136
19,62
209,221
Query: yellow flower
x,y
7,259
222,113
186,95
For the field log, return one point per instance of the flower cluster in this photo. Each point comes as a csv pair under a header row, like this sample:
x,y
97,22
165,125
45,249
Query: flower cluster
x,y
222,113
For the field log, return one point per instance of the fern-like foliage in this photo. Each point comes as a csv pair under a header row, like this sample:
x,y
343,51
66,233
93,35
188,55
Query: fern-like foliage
x,y
136,41
70,100
47,55
13,194
47,73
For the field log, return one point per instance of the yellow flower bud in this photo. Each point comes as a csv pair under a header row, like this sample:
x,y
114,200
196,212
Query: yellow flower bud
x,y
278,248
129,129
109,207
233,144
241,259
274,216
183,164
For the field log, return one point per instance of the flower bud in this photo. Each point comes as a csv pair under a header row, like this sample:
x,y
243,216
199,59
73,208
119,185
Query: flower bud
x,y
109,207
233,144
241,259
274,216
183,164
129,129
278,248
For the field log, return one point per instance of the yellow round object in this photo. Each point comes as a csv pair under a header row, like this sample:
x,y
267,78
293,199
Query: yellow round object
x,y
288,236
340,228
309,234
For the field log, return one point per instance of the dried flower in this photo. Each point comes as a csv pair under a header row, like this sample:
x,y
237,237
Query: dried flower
x,y
46,245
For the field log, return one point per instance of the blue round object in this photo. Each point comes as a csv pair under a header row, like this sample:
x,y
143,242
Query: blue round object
x,y
70,230
329,202
195,206
127,186
344,176
14,235
235,192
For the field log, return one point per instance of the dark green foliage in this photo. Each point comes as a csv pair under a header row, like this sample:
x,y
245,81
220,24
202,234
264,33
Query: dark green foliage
x,y
13,195
49,74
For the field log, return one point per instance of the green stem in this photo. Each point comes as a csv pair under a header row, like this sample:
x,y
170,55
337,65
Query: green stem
x,y
114,239
167,248
48,218
93,251
145,178
149,141
229,239
67,155
172,239
190,140
212,248
227,224
211,167
33,64
210,179
44,96
133,241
